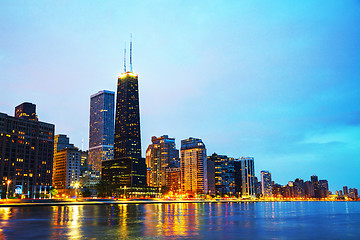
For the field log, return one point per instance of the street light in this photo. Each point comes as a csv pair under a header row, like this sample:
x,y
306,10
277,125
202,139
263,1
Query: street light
x,y
7,189
76,185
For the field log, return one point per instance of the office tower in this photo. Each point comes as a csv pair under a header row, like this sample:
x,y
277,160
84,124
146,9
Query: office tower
x,y
127,125
128,167
257,185
224,174
193,166
84,161
353,193
67,164
299,188
266,187
26,154
345,190
26,111
309,189
211,176
160,155
244,176
315,183
101,132
323,188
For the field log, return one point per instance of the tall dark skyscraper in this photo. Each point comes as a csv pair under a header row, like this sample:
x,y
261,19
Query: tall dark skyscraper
x,y
101,133
127,122
128,167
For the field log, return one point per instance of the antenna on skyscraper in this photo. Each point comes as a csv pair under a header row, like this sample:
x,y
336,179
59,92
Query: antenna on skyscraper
x,y
125,57
131,53
82,144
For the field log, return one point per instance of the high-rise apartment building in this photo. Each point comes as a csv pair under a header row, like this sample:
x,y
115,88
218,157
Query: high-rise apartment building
x,y
193,167
128,167
67,164
26,153
160,156
266,187
224,174
101,132
244,176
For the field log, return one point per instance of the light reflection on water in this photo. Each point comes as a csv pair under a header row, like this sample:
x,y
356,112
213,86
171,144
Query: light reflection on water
x,y
276,220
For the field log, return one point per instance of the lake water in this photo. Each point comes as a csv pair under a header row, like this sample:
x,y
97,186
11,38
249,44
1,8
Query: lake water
x,y
259,220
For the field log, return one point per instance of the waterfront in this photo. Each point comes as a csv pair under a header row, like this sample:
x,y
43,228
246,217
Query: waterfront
x,y
255,220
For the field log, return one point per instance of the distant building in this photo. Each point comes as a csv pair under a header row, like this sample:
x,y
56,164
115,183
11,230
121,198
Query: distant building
x,y
266,187
84,165
211,176
160,156
26,153
26,111
309,189
299,188
101,133
353,193
323,188
345,191
244,176
224,174
193,166
61,141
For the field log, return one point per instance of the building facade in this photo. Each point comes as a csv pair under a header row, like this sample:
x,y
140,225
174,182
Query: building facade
x,y
66,174
26,111
245,177
224,174
161,155
101,131
193,167
26,154
211,176
266,186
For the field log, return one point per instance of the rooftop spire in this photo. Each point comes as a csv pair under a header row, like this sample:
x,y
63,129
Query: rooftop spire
x,y
125,57
131,52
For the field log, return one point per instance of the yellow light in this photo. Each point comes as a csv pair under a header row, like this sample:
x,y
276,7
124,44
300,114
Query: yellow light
x,y
128,74
8,181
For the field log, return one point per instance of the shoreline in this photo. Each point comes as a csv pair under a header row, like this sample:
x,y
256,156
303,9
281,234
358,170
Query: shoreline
x,y
55,202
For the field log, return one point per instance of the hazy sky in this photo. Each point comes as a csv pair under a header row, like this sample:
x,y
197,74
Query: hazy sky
x,y
276,80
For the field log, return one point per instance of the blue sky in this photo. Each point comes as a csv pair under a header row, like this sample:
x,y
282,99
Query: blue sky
x,y
276,80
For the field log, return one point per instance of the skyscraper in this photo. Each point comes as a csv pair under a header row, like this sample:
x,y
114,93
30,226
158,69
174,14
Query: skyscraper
x,y
101,133
67,163
128,167
160,156
224,174
193,166
266,188
244,176
26,153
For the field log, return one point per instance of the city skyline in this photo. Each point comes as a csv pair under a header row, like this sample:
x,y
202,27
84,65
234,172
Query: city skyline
x,y
300,117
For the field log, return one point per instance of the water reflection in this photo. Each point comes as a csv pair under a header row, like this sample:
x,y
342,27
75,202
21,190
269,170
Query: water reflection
x,y
277,220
